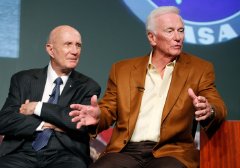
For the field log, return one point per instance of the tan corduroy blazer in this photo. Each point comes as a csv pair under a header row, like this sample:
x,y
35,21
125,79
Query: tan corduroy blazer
x,y
121,103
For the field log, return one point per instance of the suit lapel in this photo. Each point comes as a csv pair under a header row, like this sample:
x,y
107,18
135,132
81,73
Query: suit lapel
x,y
179,78
38,84
73,83
67,92
137,82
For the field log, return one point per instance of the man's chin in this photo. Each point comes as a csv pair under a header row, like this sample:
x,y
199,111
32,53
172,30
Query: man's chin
x,y
176,52
72,65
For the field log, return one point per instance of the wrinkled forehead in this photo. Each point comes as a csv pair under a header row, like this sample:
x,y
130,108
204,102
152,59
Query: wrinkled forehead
x,y
170,19
166,17
64,33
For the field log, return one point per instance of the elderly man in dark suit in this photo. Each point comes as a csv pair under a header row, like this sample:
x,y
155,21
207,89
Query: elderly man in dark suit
x,y
34,119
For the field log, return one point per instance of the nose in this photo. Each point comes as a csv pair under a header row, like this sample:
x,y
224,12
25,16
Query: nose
x,y
177,36
75,49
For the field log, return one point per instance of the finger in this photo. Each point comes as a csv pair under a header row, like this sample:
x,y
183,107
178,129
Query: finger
x,y
201,106
201,117
58,129
46,124
74,113
201,99
76,106
21,110
27,101
94,101
201,113
76,119
191,93
79,124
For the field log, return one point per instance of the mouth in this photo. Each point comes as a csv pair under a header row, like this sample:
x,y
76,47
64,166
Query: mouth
x,y
177,46
72,60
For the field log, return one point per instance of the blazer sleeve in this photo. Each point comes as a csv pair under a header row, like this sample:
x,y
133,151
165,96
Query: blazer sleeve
x,y
207,88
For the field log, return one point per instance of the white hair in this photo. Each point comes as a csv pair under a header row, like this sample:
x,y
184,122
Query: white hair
x,y
151,24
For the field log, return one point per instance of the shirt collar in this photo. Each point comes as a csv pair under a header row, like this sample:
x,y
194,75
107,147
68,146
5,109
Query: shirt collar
x,y
52,75
151,66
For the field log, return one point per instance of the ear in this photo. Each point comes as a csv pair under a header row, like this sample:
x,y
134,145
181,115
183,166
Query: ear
x,y
152,38
49,49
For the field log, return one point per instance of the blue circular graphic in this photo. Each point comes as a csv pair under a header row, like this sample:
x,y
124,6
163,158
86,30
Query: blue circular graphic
x,y
203,10
206,21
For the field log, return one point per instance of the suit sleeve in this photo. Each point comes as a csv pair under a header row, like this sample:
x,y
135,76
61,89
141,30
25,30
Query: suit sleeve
x,y
12,123
59,115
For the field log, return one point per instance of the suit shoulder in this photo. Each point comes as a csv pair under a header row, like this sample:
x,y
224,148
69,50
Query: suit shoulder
x,y
196,60
131,61
85,78
27,73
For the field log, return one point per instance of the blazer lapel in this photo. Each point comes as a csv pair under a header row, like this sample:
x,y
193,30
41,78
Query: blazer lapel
x,y
137,82
179,78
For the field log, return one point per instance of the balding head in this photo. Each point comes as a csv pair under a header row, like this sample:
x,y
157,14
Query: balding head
x,y
64,48
59,31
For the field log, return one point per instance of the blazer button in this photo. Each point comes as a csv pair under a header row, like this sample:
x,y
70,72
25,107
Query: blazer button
x,y
125,141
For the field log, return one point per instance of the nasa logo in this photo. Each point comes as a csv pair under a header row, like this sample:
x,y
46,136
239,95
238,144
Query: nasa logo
x,y
213,22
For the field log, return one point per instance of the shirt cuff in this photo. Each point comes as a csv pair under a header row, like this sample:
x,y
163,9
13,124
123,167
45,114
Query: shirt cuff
x,y
39,128
38,109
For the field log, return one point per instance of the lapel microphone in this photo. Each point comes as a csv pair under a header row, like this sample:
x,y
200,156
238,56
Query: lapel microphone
x,y
140,88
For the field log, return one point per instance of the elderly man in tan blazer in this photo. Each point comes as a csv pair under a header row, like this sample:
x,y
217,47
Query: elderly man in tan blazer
x,y
154,102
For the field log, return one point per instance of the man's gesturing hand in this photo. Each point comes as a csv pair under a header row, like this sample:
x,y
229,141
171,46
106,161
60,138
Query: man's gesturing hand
x,y
203,108
85,115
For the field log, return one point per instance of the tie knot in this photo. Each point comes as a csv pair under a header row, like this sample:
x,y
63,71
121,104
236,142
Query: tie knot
x,y
58,81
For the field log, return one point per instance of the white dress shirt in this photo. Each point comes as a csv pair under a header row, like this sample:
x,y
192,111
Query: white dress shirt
x,y
51,76
156,88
